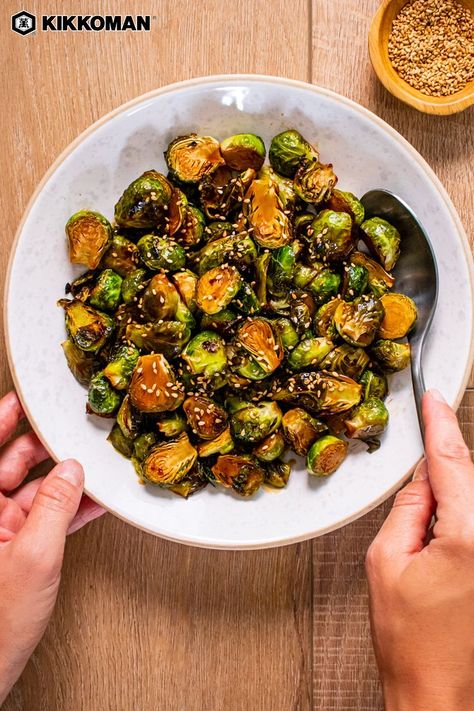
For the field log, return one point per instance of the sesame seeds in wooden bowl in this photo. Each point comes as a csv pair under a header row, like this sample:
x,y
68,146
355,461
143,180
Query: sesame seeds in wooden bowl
x,y
423,52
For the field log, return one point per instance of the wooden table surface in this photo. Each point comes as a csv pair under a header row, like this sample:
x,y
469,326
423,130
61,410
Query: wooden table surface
x,y
143,624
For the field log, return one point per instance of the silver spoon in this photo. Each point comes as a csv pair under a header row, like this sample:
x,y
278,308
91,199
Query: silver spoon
x,y
416,275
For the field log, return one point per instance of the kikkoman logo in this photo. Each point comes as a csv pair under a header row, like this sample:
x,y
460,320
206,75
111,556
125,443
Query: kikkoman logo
x,y
24,22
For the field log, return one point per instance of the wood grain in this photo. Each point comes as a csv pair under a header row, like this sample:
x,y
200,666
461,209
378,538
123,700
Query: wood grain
x,y
146,624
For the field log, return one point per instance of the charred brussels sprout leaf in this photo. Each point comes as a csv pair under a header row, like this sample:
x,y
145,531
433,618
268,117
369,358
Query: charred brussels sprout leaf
x,y
391,356
332,238
168,463
310,352
346,360
89,234
217,288
206,418
314,181
177,209
242,473
145,202
246,300
122,256
133,285
168,338
261,267
264,345
383,240
374,384
242,151
271,227
81,364
87,328
129,419
400,316
341,201
191,157
271,447
379,280
171,424
255,422
358,321
301,430
326,455
154,387
367,420
161,253
120,442
192,229
121,366
277,474
194,481
281,270
287,149
223,444
103,400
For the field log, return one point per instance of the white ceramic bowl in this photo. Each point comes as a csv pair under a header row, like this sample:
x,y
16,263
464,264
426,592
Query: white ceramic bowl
x,y
93,171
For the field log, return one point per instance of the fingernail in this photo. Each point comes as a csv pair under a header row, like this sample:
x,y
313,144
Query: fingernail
x,y
436,395
71,471
421,471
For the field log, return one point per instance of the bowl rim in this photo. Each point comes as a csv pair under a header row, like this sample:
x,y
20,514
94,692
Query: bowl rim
x,y
216,80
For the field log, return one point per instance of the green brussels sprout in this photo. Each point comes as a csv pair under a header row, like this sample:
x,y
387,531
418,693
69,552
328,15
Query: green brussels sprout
x,y
145,202
247,367
341,201
195,480
383,241
324,319
287,149
374,384
277,474
314,181
122,256
367,420
271,447
255,422
391,356
261,268
246,300
205,355
217,230
263,209
301,430
206,418
105,295
89,234
222,322
379,280
143,444
320,393
399,318
222,444
242,151
192,230
217,288
119,369
346,360
191,157
303,275
302,310
81,364
169,462
326,455
288,335
257,337
356,281
154,387
332,238
161,253
358,321
186,283
325,285
87,328
177,210
236,249
160,299
309,352
302,225
129,419
133,285
255,390
123,445
280,270
241,472
168,337
102,399
221,194
171,424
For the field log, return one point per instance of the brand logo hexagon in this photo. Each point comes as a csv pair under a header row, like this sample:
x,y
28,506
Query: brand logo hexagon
x,y
23,23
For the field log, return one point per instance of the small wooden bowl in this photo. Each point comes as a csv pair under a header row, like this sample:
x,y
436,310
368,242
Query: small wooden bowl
x,y
378,49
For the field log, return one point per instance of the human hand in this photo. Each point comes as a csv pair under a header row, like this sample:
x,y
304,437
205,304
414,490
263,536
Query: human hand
x,y
421,581
34,521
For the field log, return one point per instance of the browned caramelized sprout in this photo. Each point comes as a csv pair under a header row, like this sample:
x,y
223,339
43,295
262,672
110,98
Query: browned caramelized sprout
x,y
89,234
169,462
260,340
271,227
191,157
301,430
206,418
239,472
154,387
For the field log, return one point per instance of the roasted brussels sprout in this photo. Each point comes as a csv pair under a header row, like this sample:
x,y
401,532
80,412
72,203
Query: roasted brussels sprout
x,y
101,290
89,234
206,418
304,275
285,188
102,399
171,424
358,321
244,365
288,335
271,227
325,285
287,149
154,387
280,270
242,151
169,462
82,365
195,480
355,282
374,385
145,202
192,229
271,447
217,288
186,283
167,337
326,455
261,268
324,319
367,420
160,300
119,369
143,444
87,328
277,474
223,444
129,419
310,352
119,442
332,238
255,422
346,360
379,280
122,256
177,209
264,345
314,181
321,393
383,241
205,355
238,249
217,230
133,285
221,194
301,430
391,356
302,310
161,253
191,157
399,318
223,322
341,201
239,472
246,300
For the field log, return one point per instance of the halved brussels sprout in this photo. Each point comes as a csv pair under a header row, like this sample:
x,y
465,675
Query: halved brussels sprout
x,y
171,424
270,448
128,419
221,194
264,345
87,328
246,300
133,285
101,290
270,226
332,237
177,209
314,181
374,384
102,399
287,149
218,229
346,360
400,316
326,455
245,366
379,280
161,253
355,282
358,321
367,420
343,201
81,364
122,256
89,234
302,224
301,430
324,319
186,283
310,352
205,355
120,442
145,202
223,444
390,355
302,310
325,285
119,369
304,275
143,444
191,157
195,480
322,393
217,288
288,335
277,474
242,151
255,422
236,249
383,241
192,229
169,462
167,337
154,387
240,472
160,299
281,270
206,418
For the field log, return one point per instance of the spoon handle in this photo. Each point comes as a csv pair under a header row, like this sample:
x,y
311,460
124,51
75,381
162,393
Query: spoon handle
x,y
419,387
